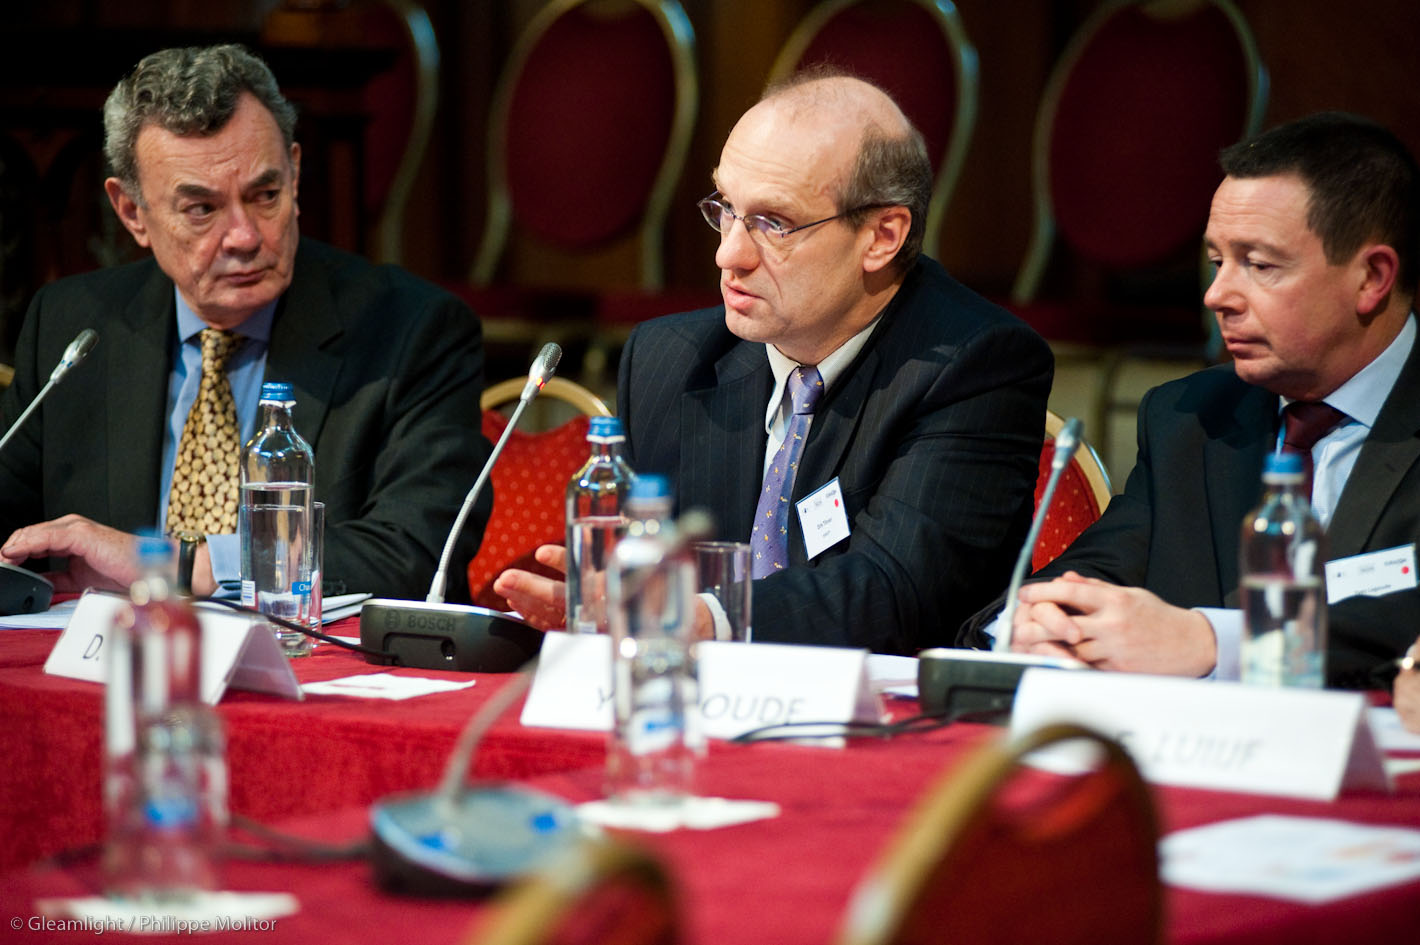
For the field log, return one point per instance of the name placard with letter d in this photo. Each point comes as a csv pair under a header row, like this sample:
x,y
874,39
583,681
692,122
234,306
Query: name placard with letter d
x,y
743,686
1227,736
238,650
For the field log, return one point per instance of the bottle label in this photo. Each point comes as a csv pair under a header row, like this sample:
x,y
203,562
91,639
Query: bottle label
x,y
248,593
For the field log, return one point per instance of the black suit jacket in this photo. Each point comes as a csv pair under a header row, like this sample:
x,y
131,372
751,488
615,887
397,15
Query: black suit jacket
x,y
1177,527
387,371
934,433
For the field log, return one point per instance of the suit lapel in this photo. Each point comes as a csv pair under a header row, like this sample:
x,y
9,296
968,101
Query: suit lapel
x,y
722,433
1233,455
139,364
306,322
1390,451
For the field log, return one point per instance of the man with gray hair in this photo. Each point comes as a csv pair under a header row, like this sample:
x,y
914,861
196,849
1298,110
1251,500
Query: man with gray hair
x,y
386,369
842,365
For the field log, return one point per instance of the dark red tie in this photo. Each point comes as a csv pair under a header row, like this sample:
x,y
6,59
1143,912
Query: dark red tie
x,y
1307,422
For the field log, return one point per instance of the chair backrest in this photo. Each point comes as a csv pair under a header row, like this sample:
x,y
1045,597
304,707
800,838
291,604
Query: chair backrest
x,y
590,125
529,483
918,51
1080,498
601,893
995,852
400,101
1125,154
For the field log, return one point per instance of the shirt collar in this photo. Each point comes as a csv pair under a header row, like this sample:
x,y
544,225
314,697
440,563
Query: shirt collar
x,y
829,369
1362,397
256,326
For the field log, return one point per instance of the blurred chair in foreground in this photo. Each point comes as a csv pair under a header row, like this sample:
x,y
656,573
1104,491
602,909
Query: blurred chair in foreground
x,y
1124,164
1080,498
589,129
529,483
601,893
997,853
917,50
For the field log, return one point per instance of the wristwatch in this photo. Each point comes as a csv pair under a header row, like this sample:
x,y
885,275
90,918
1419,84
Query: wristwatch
x,y
188,542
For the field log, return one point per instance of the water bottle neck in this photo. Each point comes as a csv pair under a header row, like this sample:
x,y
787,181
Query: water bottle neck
x,y
276,413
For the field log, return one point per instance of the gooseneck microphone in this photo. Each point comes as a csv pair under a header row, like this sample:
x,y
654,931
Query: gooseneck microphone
x,y
22,591
1066,442
431,634
953,682
538,375
77,351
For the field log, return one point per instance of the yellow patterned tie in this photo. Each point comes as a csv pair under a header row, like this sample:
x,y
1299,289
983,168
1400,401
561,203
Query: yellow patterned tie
x,y
204,491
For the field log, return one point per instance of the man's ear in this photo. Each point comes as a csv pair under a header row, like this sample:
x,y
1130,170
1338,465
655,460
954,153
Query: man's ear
x,y
890,226
1379,265
128,211
295,170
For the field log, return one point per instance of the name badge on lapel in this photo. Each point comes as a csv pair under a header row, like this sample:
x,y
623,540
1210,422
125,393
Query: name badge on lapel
x,y
822,517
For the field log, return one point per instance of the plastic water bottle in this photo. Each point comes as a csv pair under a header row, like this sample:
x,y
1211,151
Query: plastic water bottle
x,y
278,469
657,737
165,788
1283,583
596,520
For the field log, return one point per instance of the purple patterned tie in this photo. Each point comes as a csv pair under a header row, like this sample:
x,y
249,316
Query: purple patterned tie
x,y
1307,422
770,537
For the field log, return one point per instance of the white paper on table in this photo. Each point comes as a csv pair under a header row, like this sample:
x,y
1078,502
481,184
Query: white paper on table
x,y
55,618
1389,733
341,606
1306,859
893,674
206,912
383,686
691,813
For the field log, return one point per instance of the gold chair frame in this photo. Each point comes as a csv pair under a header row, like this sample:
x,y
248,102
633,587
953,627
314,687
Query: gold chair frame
x,y
558,388
680,39
964,63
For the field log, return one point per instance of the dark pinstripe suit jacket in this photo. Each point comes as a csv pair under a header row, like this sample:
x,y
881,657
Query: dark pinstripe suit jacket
x,y
934,433
1176,528
387,372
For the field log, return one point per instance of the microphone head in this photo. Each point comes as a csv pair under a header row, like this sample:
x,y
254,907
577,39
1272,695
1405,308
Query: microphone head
x,y
543,367
1067,441
77,351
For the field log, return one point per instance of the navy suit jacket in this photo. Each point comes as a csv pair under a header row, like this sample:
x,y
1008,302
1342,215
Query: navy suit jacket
x,y
933,432
387,371
1177,527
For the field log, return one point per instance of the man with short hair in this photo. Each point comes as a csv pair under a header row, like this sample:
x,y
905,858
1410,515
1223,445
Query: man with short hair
x,y
1313,239
387,369
843,361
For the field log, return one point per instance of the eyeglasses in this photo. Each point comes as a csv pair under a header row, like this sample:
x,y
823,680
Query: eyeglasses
x,y
764,231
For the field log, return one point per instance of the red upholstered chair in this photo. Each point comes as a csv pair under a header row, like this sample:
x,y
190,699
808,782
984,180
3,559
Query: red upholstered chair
x,y
529,483
603,892
1080,498
915,49
1124,164
590,125
995,852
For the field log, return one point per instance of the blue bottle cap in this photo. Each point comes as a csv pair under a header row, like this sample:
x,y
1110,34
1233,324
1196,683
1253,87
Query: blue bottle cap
x,y
276,390
605,428
1283,469
154,550
650,486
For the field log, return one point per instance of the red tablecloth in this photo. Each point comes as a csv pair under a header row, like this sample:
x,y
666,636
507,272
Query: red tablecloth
x,y
284,757
785,880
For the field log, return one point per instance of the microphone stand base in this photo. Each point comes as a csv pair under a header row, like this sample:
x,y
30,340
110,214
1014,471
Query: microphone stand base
x,y
22,591
978,683
459,637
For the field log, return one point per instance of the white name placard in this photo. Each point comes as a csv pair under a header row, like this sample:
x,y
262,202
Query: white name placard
x,y
1226,736
238,650
743,686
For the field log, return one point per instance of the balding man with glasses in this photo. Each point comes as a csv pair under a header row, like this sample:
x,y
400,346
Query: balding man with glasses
x,y
846,369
